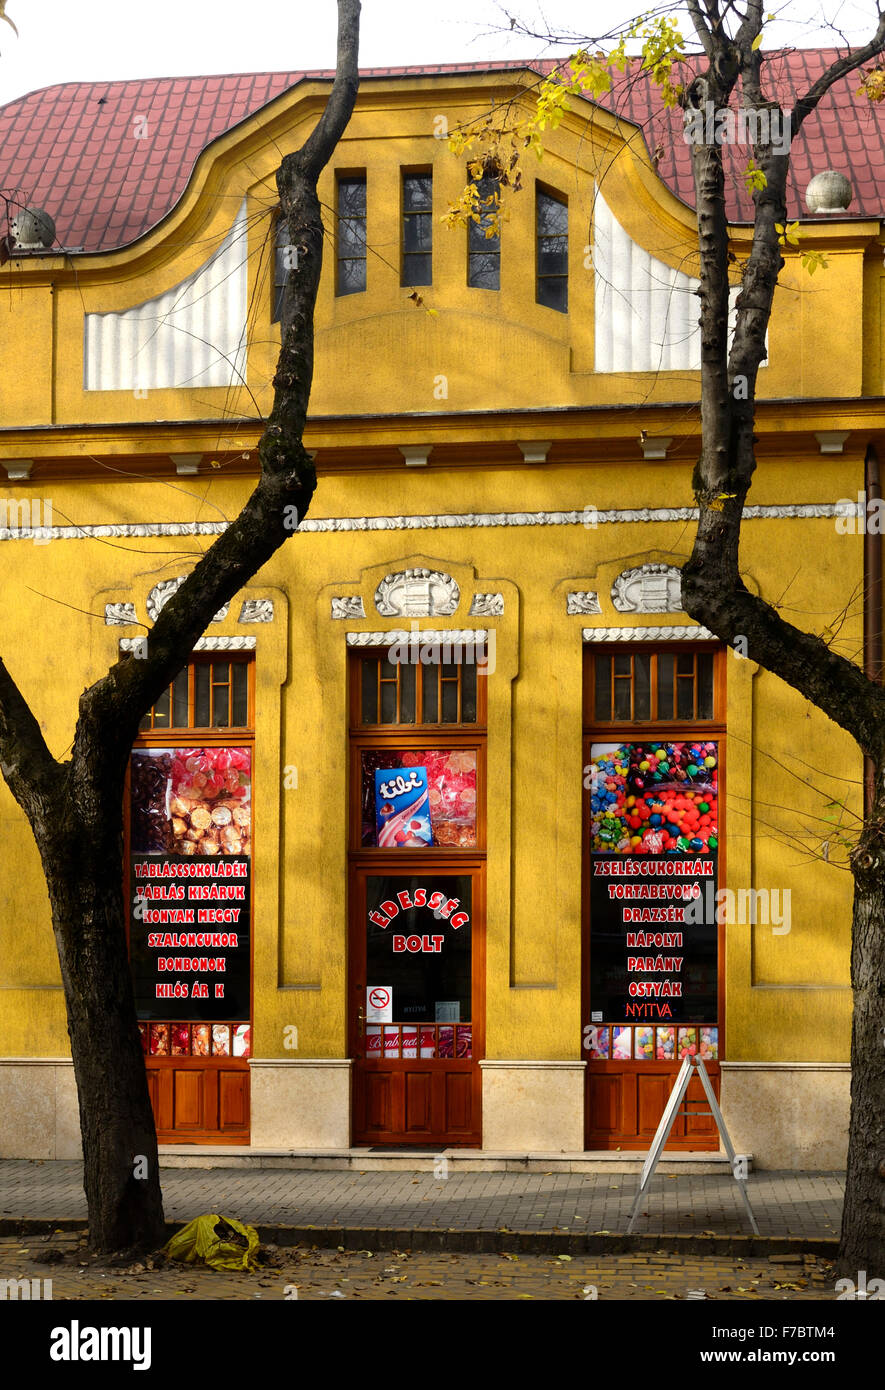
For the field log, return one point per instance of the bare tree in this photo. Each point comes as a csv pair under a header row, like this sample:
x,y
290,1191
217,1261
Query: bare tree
x,y
75,808
714,592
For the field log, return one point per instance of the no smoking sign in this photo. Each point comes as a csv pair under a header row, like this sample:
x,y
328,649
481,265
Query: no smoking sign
x,y
379,1004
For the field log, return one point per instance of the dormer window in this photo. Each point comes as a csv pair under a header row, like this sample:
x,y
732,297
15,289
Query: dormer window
x,y
417,265
552,242
351,238
484,251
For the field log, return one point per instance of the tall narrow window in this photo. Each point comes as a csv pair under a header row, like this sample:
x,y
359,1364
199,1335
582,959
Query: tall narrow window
x,y
552,238
351,240
484,238
417,229
284,261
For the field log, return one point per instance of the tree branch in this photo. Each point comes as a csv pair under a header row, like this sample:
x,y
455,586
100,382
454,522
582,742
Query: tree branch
x,y
25,760
318,147
701,28
806,104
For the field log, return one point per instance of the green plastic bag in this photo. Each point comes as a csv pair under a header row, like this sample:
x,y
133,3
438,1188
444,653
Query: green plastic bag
x,y
216,1241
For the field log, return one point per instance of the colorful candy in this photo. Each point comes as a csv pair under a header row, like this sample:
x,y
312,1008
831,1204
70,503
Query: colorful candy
x,y
654,798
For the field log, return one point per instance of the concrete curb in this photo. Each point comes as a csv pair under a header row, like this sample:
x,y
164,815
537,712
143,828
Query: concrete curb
x,y
490,1241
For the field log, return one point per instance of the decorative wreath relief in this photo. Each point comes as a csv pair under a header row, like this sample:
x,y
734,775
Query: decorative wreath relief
x,y
649,589
417,593
161,593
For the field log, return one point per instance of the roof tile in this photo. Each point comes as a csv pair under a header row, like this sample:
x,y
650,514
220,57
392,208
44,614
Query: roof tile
x,y
71,148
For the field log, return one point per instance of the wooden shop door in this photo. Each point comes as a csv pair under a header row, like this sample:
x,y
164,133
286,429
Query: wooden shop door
x,y
416,1015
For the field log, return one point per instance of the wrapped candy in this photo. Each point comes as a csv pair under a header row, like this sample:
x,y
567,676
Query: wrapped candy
x,y
200,1039
209,800
220,1040
150,825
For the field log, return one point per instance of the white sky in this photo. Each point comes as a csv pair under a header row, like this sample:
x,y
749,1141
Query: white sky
x,y
99,40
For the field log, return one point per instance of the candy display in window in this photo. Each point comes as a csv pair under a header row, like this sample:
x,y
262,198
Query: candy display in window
x,y
159,1039
209,800
599,1040
151,828
450,804
180,1040
710,1043
242,1040
622,1044
688,1042
665,1048
191,801
402,815
220,1040
446,1042
654,798
644,1046
145,1035
201,1035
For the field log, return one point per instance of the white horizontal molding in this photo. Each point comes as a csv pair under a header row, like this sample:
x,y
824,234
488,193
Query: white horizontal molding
x,y
192,335
235,643
145,530
682,633
434,636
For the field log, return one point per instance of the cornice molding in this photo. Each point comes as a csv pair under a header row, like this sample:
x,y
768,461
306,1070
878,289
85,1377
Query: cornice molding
x,y
434,522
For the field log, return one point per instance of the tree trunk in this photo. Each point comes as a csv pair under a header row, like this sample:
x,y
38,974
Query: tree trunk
x,y
83,862
862,1246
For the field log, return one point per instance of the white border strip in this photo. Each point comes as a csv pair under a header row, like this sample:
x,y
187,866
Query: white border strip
x,y
234,643
684,633
454,522
434,636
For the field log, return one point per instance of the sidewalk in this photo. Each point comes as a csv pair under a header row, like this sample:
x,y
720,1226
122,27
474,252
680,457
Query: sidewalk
x,y
462,1210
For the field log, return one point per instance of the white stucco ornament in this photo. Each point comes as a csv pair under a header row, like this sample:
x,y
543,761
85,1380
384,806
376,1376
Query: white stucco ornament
x,y
417,593
161,593
648,589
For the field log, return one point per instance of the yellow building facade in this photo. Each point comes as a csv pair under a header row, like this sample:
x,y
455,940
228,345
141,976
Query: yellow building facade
x,y
504,485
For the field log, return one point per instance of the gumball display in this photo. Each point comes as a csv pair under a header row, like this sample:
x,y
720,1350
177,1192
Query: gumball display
x,y
654,798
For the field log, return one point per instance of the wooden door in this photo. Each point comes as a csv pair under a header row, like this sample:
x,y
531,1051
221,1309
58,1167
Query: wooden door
x,y
416,1002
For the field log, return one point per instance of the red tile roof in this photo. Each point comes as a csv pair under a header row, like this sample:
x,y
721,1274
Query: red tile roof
x,y
74,149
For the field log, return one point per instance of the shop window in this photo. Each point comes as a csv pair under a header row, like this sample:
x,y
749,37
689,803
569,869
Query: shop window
x,y
653,758
189,853
551,215
283,263
484,238
417,251
351,235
